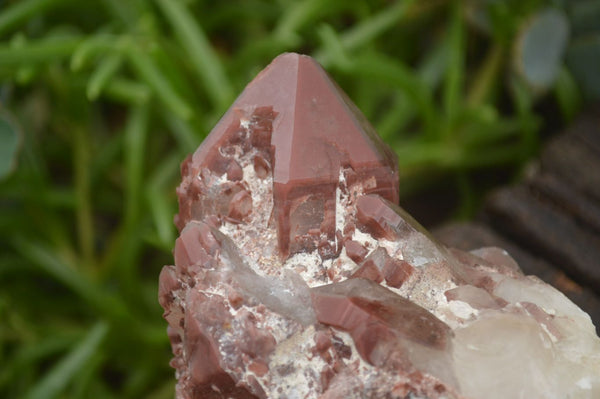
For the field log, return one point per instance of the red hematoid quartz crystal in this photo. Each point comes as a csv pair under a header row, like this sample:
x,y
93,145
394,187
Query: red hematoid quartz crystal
x,y
304,130
297,276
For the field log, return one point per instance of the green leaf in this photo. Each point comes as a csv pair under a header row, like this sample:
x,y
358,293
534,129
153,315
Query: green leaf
x,y
62,373
9,144
541,47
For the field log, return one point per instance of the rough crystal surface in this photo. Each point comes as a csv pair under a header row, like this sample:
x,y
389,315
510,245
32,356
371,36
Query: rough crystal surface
x,y
297,276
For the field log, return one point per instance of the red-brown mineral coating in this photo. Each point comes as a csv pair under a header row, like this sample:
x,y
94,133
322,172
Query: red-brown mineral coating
x,y
368,270
167,284
195,245
372,267
207,379
313,130
355,303
355,250
396,272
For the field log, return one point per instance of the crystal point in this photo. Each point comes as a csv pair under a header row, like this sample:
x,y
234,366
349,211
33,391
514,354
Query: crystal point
x,y
297,275
307,130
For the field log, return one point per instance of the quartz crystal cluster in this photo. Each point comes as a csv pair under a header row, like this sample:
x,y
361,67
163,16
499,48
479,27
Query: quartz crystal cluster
x,y
297,275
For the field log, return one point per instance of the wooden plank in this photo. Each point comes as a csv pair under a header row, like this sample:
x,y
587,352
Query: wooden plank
x,y
587,129
562,195
575,157
548,232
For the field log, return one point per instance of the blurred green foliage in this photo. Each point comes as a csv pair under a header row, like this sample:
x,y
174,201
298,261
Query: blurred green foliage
x,y
100,100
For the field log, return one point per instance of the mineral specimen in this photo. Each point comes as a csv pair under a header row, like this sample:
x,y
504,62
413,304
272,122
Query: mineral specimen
x,y
297,276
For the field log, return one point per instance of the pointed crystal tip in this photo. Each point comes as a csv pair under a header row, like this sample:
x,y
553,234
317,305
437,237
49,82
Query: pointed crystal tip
x,y
309,137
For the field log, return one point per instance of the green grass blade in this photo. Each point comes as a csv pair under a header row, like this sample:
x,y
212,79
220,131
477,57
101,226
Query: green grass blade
x,y
297,15
434,64
367,30
87,376
122,256
568,95
333,47
390,71
200,52
486,78
55,381
22,10
10,138
134,148
83,196
376,25
49,262
454,74
89,48
107,68
123,10
401,111
28,355
145,67
127,91
186,137
162,212
38,52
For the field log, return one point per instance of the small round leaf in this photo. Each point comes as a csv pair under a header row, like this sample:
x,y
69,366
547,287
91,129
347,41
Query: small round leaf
x,y
541,46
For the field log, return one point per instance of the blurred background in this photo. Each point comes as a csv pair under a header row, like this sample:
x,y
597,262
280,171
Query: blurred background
x,y
100,101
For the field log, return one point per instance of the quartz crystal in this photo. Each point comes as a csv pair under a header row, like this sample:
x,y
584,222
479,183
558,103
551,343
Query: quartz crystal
x,y
297,275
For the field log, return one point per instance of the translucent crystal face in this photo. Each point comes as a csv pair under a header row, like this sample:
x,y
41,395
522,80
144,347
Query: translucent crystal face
x,y
297,275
